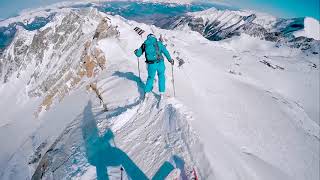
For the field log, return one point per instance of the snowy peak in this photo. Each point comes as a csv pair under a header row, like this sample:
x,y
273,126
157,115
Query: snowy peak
x,y
215,24
311,29
54,59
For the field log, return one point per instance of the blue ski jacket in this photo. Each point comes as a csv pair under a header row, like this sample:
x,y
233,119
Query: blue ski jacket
x,y
153,50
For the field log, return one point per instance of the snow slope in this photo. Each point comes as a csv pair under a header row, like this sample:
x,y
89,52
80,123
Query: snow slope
x,y
311,29
244,110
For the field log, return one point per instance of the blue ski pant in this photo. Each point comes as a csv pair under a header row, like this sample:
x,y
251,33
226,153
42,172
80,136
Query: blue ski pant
x,y
152,70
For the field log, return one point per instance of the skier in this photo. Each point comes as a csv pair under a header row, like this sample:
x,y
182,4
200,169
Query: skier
x,y
153,50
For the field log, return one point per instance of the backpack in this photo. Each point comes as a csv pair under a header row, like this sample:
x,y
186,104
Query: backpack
x,y
152,52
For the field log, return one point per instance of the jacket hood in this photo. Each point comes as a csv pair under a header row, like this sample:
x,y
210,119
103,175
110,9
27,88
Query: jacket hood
x,y
151,39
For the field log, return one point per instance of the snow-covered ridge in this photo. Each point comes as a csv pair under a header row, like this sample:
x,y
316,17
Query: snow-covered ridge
x,y
28,15
215,24
311,29
52,76
54,59
263,19
151,138
244,108
37,18
62,6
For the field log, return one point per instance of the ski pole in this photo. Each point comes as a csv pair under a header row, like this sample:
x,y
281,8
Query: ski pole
x,y
139,68
121,173
174,89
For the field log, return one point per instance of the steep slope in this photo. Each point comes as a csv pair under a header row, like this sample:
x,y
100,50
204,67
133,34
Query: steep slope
x,y
40,68
51,82
254,109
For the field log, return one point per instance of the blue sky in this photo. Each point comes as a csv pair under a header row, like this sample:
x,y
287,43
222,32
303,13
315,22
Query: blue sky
x,y
281,8
12,7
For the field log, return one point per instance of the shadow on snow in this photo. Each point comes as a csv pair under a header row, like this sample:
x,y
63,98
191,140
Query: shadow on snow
x,y
141,86
132,77
129,76
101,154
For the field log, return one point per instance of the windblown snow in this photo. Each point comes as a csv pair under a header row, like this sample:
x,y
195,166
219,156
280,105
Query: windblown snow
x,y
244,109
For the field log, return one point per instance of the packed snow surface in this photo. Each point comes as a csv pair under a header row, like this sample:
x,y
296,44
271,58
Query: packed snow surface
x,y
244,109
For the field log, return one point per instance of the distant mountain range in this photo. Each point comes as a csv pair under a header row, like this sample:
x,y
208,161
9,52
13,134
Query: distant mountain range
x,y
215,22
217,25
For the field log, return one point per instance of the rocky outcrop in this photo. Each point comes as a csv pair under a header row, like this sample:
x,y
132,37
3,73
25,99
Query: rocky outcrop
x,y
92,59
104,30
54,59
92,62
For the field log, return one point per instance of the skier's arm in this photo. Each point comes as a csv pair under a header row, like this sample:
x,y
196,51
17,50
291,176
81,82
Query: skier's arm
x,y
140,51
165,52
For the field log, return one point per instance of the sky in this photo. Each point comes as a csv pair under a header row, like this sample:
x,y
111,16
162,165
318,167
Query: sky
x,y
280,8
13,7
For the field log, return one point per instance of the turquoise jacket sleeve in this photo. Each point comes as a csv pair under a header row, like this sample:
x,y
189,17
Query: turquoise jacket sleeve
x,y
139,52
165,51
